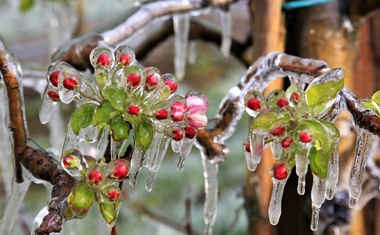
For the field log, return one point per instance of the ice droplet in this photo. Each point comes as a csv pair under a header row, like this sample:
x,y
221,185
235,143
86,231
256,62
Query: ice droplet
x,y
257,138
226,25
333,172
318,192
185,151
181,30
274,210
302,163
136,163
364,142
176,145
210,173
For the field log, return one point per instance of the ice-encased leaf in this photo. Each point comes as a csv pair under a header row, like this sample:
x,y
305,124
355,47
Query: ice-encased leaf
x,y
116,96
323,90
144,134
103,113
109,212
119,128
82,117
268,120
376,100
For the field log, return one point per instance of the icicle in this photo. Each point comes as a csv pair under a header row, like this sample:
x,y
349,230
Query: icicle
x,y
115,148
192,57
176,145
333,172
251,165
276,149
57,129
88,134
136,163
226,25
363,147
185,151
302,163
181,29
210,173
257,138
102,143
151,155
318,193
274,210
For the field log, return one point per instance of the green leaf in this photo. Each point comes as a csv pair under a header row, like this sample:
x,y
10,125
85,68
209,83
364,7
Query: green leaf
x,y
108,212
116,96
267,121
82,117
101,79
119,128
81,199
323,90
144,135
103,113
376,100
26,5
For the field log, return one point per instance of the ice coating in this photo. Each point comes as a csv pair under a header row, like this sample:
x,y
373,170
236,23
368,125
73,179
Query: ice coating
x,y
318,192
226,25
187,145
274,210
136,163
302,164
181,30
333,172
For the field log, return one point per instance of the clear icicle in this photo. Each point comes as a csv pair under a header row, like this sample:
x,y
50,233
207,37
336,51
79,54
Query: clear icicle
x,y
276,150
318,192
274,210
333,172
363,147
181,29
302,163
151,155
116,146
185,151
136,163
210,173
102,143
257,138
226,25
176,146
192,53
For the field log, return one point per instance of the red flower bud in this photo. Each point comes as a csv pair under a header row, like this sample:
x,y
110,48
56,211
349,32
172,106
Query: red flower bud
x,y
68,160
177,135
54,96
190,132
248,147
279,171
120,171
134,79
278,131
285,143
254,104
95,176
305,137
152,79
113,195
133,110
295,97
53,78
177,111
161,114
172,85
124,59
103,59
283,102
70,83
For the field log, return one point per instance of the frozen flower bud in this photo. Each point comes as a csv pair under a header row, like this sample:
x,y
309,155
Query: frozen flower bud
x,y
285,143
161,114
173,85
113,195
133,110
95,176
305,137
254,104
196,112
124,59
177,135
278,131
152,79
279,171
71,162
190,132
53,78
70,83
103,59
54,96
177,111
247,147
282,102
120,171
134,79
295,97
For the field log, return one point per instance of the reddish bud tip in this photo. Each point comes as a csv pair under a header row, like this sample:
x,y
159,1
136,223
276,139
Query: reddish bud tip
x,y
95,176
53,78
177,111
133,110
103,59
162,114
283,102
70,83
278,131
152,79
305,137
295,97
67,160
279,171
190,132
121,169
134,79
113,195
248,147
54,96
172,85
285,143
177,135
254,104
124,59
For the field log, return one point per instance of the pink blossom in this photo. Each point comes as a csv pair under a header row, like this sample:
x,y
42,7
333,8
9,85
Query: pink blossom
x,y
177,111
196,111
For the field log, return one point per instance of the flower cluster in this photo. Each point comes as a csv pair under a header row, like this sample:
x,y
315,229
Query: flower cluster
x,y
98,182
